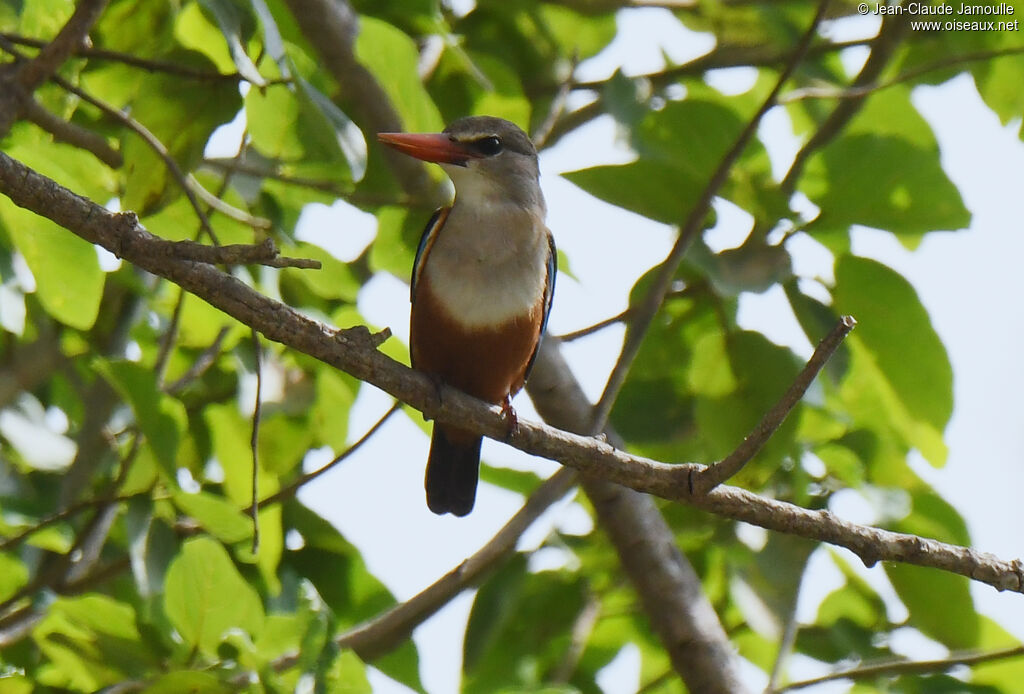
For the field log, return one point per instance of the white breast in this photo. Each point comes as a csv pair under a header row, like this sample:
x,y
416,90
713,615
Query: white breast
x,y
489,263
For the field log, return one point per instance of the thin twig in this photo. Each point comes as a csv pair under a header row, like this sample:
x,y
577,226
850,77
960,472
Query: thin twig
x,y
288,491
379,635
53,54
66,131
582,628
148,64
907,667
229,211
596,327
856,92
557,107
202,363
714,475
623,316
168,338
254,442
722,57
64,514
648,307
264,253
882,48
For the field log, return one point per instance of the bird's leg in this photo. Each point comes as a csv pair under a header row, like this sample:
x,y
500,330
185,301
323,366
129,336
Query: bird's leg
x,y
511,418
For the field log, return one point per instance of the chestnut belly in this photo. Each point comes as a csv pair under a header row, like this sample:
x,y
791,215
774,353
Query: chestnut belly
x,y
488,363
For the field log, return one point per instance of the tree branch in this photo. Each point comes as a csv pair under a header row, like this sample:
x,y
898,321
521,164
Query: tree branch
x,y
715,474
385,632
667,585
906,667
354,350
147,64
66,131
265,253
856,92
882,48
63,46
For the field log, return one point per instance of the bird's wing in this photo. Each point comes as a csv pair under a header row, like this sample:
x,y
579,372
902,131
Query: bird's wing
x,y
549,297
430,234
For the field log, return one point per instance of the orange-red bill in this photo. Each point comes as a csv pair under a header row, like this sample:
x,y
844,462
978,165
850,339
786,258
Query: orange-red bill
x,y
437,148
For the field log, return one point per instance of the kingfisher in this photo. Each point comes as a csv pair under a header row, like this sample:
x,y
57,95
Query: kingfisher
x,y
482,285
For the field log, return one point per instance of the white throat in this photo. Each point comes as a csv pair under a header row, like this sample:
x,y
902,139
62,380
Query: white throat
x,y
489,262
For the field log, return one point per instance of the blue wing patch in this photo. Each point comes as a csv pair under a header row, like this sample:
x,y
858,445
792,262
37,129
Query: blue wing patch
x,y
430,233
549,297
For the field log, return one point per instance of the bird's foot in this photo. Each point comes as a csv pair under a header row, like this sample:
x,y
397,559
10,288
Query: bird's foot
x,y
510,416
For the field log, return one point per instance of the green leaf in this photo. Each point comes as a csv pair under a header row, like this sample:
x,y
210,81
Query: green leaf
x,y
69,282
763,372
520,628
882,181
333,131
519,481
817,320
582,35
152,545
347,675
653,189
188,681
934,517
896,335
393,58
205,596
168,107
398,234
92,641
13,575
1005,673
193,30
15,684
334,280
230,17
161,418
339,574
939,602
219,517
335,395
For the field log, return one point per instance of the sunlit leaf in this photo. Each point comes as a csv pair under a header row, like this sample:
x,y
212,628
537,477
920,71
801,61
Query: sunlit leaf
x,y
205,596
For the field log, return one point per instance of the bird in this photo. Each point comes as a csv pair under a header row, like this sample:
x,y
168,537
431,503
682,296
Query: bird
x,y
482,285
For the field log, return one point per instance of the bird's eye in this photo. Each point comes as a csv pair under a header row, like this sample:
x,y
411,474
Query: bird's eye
x,y
488,146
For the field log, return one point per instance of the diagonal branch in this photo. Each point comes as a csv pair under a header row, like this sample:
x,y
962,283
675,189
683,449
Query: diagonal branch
x,y
715,474
355,351
666,583
882,48
386,631
63,46
73,134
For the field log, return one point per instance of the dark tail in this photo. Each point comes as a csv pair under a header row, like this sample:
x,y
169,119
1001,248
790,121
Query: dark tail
x,y
453,468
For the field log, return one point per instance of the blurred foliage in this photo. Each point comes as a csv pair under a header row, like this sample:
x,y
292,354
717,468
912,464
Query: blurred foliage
x,y
103,415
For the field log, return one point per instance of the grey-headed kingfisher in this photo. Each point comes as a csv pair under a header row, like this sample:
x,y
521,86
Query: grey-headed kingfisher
x,y
482,284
